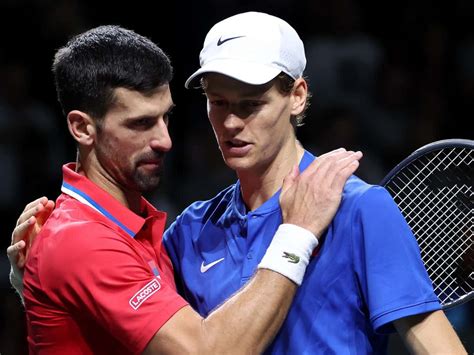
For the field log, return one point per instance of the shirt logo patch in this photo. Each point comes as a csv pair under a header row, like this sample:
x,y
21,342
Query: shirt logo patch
x,y
144,293
204,268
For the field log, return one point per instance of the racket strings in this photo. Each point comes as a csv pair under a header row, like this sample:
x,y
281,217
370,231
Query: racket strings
x,y
437,205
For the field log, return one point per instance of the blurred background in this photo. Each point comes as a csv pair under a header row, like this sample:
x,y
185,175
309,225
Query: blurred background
x,y
386,78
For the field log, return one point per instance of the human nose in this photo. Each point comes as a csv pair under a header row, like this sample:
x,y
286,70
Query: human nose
x,y
232,121
161,139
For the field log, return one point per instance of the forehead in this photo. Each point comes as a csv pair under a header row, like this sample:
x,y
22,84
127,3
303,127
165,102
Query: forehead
x,y
219,84
128,101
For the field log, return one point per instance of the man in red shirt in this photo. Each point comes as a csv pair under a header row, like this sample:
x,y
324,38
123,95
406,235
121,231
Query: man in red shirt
x,y
97,279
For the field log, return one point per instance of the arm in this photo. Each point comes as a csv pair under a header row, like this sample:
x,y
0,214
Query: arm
x,y
248,321
402,295
429,333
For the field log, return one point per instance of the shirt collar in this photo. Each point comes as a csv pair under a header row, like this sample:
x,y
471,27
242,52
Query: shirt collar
x,y
85,191
306,160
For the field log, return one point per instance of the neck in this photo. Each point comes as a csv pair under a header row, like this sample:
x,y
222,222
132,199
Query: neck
x,y
259,185
128,198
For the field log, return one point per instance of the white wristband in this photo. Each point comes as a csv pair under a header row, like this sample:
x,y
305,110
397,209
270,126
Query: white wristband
x,y
289,252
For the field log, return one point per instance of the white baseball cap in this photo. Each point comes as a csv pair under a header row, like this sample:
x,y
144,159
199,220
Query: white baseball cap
x,y
252,47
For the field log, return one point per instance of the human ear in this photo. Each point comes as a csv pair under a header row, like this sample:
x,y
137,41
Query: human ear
x,y
82,127
299,96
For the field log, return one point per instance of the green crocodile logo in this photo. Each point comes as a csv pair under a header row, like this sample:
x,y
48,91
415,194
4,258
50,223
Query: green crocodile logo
x,y
292,258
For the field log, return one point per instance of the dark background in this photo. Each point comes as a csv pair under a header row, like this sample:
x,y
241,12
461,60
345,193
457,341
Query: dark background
x,y
386,78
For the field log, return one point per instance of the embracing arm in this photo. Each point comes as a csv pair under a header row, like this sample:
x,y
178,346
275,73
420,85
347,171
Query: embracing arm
x,y
248,321
429,333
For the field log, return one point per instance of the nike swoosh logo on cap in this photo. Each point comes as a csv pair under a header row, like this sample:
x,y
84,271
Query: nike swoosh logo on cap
x,y
204,268
222,41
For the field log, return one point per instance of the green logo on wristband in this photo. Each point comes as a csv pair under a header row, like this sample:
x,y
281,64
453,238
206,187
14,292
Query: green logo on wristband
x,y
292,258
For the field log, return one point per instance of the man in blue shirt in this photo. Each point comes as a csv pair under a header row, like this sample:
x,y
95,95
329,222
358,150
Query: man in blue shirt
x,y
367,276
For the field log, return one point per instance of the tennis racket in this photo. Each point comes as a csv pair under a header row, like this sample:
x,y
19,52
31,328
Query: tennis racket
x,y
433,188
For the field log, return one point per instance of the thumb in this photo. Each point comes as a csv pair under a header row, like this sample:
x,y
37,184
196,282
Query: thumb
x,y
13,250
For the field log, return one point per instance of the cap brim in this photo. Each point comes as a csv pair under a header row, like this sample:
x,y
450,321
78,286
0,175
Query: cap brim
x,y
250,73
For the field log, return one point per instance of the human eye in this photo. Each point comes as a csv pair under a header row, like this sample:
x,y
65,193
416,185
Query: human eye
x,y
167,115
142,123
251,104
255,103
217,103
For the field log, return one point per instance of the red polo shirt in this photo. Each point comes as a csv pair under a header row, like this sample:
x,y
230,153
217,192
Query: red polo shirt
x,y
97,280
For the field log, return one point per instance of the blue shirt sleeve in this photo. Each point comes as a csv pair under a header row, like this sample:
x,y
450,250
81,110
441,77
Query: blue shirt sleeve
x,y
391,274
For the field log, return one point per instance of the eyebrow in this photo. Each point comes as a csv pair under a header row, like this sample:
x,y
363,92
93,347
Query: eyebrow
x,y
145,115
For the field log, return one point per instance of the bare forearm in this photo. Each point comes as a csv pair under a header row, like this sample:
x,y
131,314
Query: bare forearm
x,y
250,319
429,333
245,324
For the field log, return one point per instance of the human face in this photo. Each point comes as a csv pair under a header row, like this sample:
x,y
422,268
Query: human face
x,y
133,139
251,123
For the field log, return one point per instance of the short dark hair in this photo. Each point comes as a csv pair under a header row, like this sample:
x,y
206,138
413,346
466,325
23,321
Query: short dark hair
x,y
94,63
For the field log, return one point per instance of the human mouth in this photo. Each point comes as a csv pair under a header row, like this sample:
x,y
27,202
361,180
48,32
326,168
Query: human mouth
x,y
238,147
150,164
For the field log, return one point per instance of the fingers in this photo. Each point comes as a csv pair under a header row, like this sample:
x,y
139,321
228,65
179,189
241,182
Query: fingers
x,y
34,208
28,213
311,199
348,166
14,250
22,237
43,214
41,200
334,166
28,225
322,161
20,231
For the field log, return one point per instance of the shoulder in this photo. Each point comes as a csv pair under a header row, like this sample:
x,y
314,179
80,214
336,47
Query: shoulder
x,y
208,209
193,217
71,217
368,212
71,247
361,195
368,209
76,231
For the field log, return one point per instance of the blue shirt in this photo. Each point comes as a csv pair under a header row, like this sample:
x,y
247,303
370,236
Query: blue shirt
x,y
367,273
